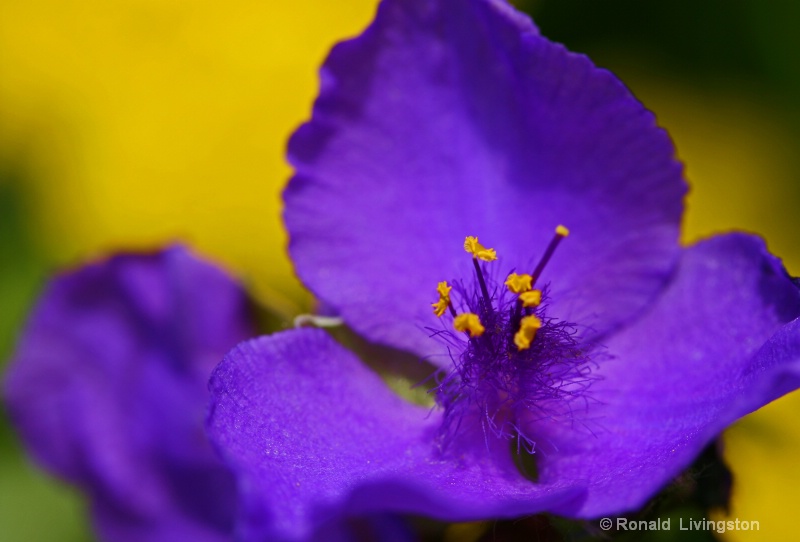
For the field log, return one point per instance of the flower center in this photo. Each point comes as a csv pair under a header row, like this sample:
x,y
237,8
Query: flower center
x,y
513,366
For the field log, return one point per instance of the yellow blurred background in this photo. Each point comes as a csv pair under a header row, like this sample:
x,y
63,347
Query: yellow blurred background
x,y
131,123
136,122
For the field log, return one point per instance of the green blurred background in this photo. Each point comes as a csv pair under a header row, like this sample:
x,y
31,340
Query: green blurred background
x,y
130,123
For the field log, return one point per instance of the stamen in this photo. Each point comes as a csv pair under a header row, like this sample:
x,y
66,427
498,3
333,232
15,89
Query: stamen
x,y
531,299
443,289
440,306
470,323
487,301
512,364
518,283
478,251
561,232
528,327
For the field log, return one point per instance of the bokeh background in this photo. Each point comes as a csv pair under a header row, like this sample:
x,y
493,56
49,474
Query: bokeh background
x,y
132,123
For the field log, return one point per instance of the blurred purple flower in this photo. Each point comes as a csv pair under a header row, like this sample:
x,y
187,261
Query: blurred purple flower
x,y
449,118
108,389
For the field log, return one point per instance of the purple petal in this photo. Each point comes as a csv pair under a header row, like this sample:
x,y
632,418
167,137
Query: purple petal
x,y
449,118
108,390
722,341
314,435
779,358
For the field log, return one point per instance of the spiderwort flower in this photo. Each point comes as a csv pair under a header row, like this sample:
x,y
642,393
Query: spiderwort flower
x,y
108,391
616,358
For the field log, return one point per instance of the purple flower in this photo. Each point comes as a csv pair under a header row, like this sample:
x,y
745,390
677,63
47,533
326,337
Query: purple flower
x,y
108,389
451,118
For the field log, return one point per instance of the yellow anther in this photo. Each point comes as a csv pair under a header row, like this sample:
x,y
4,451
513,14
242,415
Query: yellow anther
x,y
531,299
528,327
470,323
443,289
562,231
518,283
440,306
477,250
